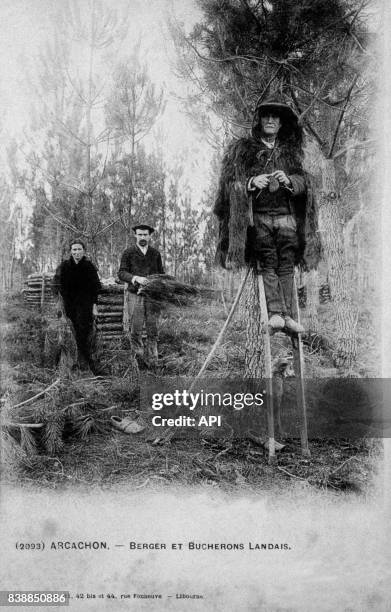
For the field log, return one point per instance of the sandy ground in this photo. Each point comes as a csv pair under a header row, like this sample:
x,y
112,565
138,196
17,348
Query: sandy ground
x,y
333,548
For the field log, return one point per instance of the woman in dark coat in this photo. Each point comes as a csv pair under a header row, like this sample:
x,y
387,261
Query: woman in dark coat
x,y
78,283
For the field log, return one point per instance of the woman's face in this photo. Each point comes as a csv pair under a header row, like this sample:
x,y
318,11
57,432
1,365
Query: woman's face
x,y
77,252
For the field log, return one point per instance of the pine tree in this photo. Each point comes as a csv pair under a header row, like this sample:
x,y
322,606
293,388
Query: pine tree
x,y
316,54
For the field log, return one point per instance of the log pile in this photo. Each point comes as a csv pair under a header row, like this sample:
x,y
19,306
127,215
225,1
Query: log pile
x,y
39,290
110,313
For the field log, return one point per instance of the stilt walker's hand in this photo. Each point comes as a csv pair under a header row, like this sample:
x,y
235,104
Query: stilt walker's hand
x,y
282,177
261,181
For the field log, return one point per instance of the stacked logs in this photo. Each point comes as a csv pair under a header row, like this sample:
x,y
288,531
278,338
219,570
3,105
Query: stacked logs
x,y
38,289
39,292
110,313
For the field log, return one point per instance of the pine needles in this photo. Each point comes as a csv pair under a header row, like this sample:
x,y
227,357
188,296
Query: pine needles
x,y
60,347
75,409
27,441
166,288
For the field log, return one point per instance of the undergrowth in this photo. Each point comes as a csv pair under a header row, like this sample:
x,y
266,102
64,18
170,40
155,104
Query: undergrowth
x,y
77,443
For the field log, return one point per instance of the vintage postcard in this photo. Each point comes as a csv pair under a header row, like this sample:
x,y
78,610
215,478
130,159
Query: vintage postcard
x,y
195,338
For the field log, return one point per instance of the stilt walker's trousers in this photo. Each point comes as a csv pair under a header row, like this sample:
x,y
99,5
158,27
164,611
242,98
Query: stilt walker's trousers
x,y
275,247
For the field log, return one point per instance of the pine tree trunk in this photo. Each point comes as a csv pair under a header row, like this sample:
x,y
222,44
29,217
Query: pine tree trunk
x,y
312,286
164,233
332,236
255,342
11,272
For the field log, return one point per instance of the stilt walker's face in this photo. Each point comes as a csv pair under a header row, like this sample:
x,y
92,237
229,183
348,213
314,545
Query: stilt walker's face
x,y
270,124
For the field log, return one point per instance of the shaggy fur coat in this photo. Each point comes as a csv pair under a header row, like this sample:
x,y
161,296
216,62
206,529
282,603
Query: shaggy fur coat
x,y
233,205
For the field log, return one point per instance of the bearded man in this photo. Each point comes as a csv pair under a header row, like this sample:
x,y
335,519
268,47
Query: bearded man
x,y
137,263
266,209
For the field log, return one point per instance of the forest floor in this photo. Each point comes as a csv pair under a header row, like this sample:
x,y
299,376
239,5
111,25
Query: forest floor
x,y
80,446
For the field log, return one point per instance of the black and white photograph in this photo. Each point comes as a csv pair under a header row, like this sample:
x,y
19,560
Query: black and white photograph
x,y
195,305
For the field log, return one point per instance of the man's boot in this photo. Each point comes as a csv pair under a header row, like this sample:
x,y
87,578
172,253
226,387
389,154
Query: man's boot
x,y
276,322
293,326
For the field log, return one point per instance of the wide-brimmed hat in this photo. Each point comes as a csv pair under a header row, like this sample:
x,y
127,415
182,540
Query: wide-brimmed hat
x,y
277,104
143,226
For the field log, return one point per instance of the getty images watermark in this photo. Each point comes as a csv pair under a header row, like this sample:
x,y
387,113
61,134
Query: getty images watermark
x,y
203,400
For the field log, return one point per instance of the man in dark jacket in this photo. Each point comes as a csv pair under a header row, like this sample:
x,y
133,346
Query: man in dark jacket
x,y
137,263
266,210
78,283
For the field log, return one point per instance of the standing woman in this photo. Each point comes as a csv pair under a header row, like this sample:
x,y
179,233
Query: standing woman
x,y
78,283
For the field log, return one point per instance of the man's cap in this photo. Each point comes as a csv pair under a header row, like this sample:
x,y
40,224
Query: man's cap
x,y
143,226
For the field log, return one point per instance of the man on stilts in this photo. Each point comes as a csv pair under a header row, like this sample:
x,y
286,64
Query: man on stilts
x,y
266,210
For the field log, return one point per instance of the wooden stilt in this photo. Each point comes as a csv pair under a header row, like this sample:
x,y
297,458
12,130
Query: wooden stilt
x,y
298,363
268,370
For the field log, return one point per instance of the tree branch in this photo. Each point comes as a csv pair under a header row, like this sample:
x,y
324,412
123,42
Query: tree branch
x,y
341,116
68,129
75,88
230,58
104,229
64,223
331,103
32,399
38,166
244,103
314,99
265,89
300,43
356,145
307,124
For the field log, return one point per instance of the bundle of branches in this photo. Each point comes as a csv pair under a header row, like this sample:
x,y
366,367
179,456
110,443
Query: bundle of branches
x,y
66,409
115,360
89,403
82,420
103,392
60,347
166,288
12,454
53,419
36,422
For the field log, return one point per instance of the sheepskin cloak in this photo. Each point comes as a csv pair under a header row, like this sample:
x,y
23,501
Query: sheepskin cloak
x,y
233,205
